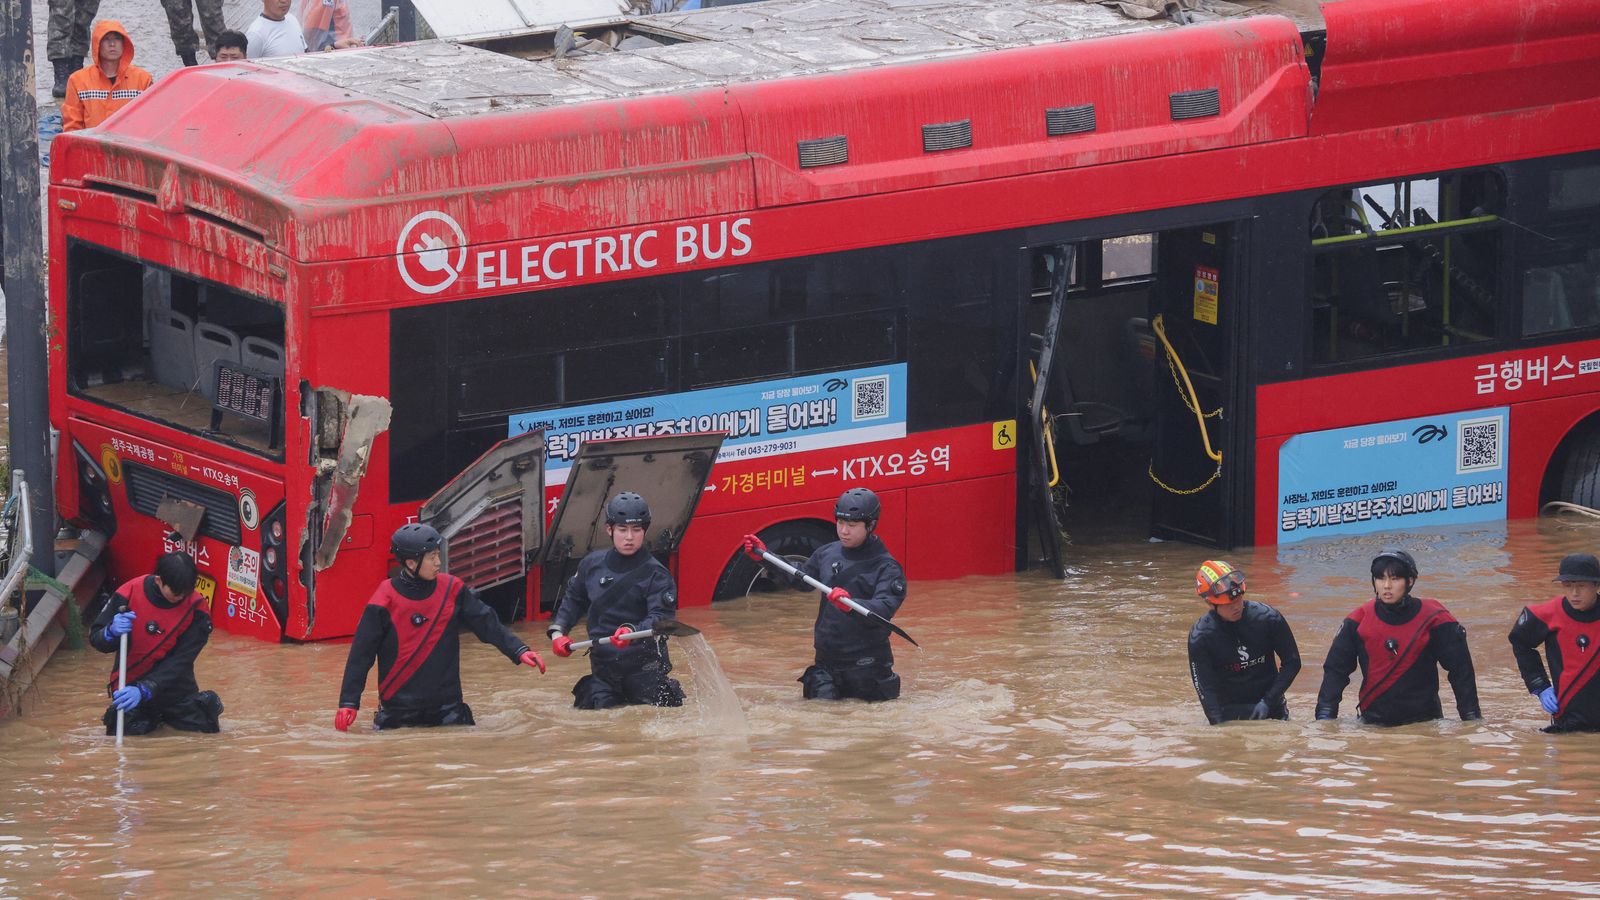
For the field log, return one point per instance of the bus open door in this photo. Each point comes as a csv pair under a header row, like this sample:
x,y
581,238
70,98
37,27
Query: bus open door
x,y
491,516
670,472
1196,320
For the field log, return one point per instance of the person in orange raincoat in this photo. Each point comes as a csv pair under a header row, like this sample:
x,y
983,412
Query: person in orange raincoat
x,y
326,24
107,83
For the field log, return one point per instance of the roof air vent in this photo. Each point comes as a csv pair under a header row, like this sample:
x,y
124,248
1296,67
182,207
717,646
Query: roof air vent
x,y
828,151
947,136
1195,104
1061,120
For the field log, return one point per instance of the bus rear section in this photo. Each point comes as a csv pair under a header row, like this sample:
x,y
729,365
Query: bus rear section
x,y
171,414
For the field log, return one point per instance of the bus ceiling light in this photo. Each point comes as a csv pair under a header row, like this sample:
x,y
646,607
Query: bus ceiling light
x,y
828,151
1061,120
947,136
1195,104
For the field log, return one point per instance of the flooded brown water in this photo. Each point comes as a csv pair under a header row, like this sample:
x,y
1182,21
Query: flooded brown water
x,y
1048,743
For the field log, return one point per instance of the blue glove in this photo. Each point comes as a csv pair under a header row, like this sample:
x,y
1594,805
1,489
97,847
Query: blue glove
x,y
129,697
1262,711
1547,699
121,623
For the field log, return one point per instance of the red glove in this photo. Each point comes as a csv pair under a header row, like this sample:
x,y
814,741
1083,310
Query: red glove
x,y
530,658
344,718
616,636
562,645
753,547
837,596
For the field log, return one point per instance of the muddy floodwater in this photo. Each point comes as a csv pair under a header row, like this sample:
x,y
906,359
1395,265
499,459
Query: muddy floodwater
x,y
1048,743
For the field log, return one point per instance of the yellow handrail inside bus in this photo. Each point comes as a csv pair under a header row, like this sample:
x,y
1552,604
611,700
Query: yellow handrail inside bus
x,y
1411,229
1194,400
1049,432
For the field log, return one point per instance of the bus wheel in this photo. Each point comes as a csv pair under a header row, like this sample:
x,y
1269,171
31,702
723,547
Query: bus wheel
x,y
794,541
1580,478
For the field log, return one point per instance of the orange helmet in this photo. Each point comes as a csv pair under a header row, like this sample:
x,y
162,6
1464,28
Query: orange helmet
x,y
1218,582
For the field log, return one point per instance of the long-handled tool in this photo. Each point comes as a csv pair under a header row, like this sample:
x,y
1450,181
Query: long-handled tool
x,y
668,628
122,678
783,564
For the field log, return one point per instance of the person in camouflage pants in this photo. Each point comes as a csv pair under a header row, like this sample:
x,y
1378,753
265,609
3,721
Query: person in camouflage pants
x,y
68,38
180,21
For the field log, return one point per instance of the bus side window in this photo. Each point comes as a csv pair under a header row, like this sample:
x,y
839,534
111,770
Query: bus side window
x,y
1406,266
962,370
1560,252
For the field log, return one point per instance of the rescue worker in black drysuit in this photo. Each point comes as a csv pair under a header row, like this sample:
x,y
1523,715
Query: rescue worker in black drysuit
x,y
1232,649
167,626
620,590
1399,641
412,627
1569,629
853,658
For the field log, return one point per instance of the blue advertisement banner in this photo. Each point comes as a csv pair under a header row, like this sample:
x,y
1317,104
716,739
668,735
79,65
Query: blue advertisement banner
x,y
1436,470
765,418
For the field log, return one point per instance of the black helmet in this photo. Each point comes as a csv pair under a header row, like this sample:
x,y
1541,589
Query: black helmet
x,y
1408,566
1579,567
414,541
628,508
857,505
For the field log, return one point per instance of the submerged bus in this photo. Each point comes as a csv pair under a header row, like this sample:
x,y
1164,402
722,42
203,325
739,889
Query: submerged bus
x,y
1024,268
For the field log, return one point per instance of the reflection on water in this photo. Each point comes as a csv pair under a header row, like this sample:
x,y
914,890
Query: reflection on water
x,y
1048,743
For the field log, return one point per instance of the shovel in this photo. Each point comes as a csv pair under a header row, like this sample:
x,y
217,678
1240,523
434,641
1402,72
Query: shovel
x,y
783,564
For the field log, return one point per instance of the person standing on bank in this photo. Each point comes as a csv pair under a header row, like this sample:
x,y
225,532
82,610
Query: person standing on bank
x,y
620,590
276,32
1232,650
412,627
853,657
180,22
1399,641
108,83
167,626
67,39
1569,628
232,46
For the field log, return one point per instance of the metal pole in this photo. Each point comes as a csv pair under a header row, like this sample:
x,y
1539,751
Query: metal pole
x,y
26,320
630,636
122,679
407,26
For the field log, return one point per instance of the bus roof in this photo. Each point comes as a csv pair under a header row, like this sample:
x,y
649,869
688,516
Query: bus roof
x,y
325,157
727,45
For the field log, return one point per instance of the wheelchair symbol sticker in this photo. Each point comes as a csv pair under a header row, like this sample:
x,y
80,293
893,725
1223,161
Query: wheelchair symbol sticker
x,y
1005,435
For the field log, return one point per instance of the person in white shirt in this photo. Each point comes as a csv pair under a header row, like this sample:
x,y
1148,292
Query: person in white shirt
x,y
276,32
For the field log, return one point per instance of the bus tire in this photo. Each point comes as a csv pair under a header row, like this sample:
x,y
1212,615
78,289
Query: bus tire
x,y
794,541
1580,477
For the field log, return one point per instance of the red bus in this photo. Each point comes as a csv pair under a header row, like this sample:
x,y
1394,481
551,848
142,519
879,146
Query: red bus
x,y
1021,268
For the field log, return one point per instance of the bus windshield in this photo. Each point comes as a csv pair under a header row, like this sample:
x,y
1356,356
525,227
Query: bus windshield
x,y
174,349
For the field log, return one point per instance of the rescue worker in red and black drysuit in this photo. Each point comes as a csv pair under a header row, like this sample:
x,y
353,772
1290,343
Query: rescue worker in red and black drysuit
x,y
1236,650
853,657
1399,641
620,590
167,626
1569,628
412,626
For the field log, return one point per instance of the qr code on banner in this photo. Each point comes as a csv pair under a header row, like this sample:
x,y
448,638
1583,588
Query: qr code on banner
x,y
871,398
1478,444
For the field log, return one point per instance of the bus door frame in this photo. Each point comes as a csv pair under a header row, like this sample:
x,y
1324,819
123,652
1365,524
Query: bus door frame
x,y
1218,249
1233,487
